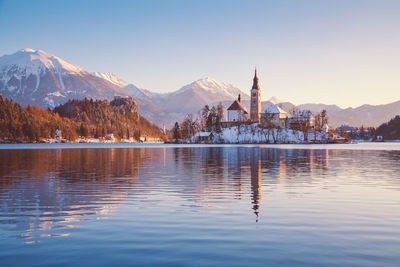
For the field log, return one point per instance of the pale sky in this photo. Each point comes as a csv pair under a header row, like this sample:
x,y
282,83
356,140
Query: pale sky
x,y
332,52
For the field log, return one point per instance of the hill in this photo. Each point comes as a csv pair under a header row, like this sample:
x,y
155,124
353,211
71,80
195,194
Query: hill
x,y
75,118
390,130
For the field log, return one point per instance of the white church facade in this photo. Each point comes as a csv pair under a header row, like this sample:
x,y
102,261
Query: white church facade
x,y
237,112
272,116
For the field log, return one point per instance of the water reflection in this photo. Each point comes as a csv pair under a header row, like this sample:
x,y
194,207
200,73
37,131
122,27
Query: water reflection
x,y
45,190
41,190
255,170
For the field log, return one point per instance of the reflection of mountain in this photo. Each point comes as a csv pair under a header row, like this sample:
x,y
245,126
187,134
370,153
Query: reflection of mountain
x,y
43,191
53,189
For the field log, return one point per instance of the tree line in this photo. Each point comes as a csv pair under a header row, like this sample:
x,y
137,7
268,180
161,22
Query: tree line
x,y
389,130
76,118
208,118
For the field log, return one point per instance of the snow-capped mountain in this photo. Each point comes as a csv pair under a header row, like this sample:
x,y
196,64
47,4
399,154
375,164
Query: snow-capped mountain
x,y
35,77
195,95
111,77
274,100
138,93
209,86
170,107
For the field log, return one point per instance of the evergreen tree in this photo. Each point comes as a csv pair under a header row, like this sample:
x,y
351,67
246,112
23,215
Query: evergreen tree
x,y
324,118
177,132
84,130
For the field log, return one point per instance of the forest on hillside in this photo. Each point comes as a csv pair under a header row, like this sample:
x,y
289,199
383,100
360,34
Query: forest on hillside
x,y
390,130
76,118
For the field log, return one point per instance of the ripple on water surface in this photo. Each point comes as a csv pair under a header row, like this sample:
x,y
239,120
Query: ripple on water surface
x,y
200,205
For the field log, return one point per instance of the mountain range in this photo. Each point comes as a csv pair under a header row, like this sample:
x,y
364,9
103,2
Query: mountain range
x,y
34,77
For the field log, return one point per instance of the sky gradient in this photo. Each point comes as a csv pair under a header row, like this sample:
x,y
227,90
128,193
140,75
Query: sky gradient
x,y
332,52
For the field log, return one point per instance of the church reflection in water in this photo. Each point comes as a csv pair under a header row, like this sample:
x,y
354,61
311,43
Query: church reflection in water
x,y
242,170
255,171
46,189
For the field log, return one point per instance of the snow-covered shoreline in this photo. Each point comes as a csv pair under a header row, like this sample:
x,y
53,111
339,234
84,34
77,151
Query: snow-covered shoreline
x,y
253,134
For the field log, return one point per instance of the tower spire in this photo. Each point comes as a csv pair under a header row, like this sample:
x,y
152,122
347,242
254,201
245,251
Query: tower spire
x,y
255,80
255,99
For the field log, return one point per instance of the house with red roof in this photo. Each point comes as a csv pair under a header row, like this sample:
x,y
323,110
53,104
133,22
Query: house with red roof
x,y
237,111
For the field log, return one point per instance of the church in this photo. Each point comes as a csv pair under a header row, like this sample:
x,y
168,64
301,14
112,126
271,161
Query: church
x,y
237,112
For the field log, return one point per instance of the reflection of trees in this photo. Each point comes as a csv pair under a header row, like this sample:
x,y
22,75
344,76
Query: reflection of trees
x,y
289,163
47,189
239,170
54,188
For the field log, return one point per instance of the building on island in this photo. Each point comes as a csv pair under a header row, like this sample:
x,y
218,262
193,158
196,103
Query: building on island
x,y
57,134
255,100
110,136
273,116
237,112
325,128
205,137
301,119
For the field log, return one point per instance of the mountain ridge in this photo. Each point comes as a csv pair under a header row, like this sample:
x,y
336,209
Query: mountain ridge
x,y
34,77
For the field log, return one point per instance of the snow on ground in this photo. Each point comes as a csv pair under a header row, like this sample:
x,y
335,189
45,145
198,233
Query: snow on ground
x,y
254,134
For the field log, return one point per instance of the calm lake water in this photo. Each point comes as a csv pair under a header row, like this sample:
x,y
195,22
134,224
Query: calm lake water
x,y
248,205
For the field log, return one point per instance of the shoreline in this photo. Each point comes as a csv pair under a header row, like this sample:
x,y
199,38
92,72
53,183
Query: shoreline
x,y
360,146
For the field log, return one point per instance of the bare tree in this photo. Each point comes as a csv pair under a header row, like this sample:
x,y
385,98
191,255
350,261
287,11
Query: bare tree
x,y
279,131
189,126
205,112
268,124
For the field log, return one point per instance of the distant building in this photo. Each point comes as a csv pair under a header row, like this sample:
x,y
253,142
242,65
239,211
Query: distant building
x,y
255,100
205,137
273,116
110,136
57,134
325,128
237,112
301,119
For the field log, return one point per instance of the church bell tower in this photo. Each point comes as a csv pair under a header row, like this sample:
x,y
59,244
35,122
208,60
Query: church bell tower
x,y
255,100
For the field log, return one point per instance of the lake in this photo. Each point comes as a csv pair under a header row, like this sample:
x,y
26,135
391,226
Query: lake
x,y
200,205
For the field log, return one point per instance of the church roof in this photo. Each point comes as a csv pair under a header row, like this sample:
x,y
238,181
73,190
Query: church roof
x,y
273,110
237,106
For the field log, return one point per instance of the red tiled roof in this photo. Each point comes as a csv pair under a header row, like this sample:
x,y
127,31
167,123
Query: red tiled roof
x,y
237,106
